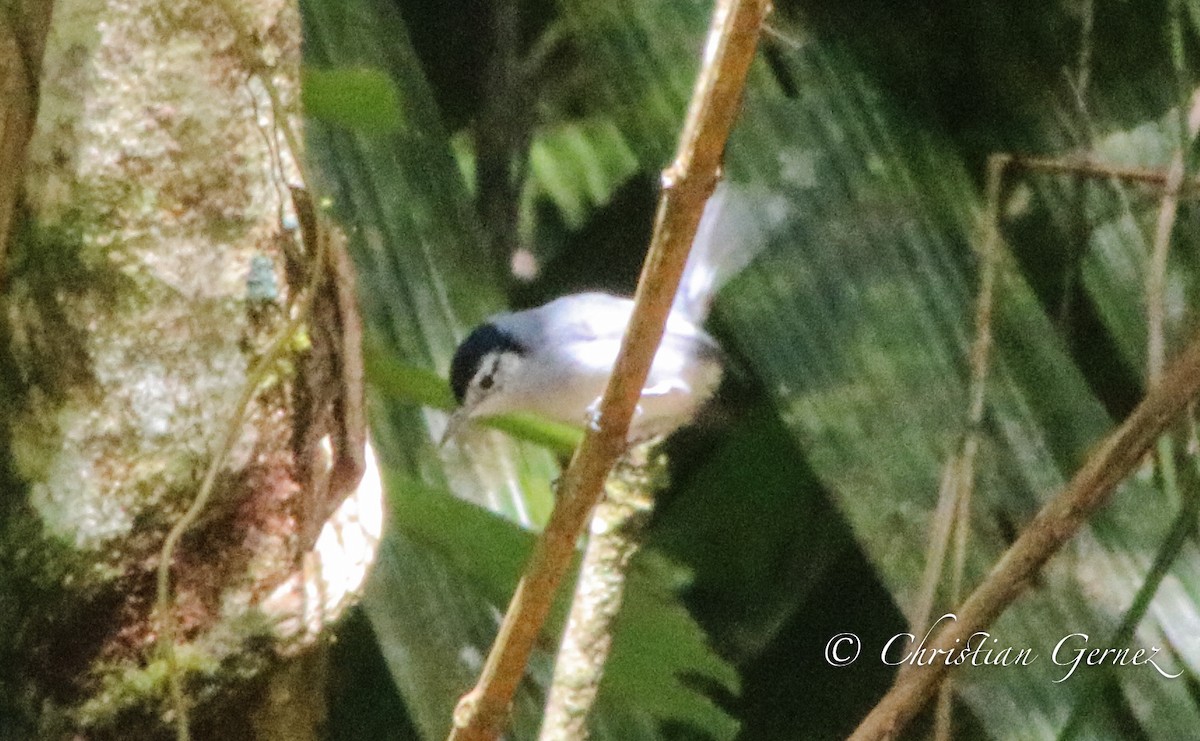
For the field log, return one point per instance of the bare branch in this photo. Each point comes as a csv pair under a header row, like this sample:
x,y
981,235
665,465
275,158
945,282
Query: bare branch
x,y
1053,526
1156,272
687,183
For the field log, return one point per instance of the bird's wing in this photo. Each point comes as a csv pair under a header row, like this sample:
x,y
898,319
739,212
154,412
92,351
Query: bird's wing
x,y
585,317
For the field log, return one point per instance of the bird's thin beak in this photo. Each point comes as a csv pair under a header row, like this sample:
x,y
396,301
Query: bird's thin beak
x,y
458,420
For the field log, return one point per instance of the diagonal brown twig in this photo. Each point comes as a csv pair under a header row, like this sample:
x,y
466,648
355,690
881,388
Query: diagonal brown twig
x,y
1172,183
687,183
1156,272
961,466
1053,526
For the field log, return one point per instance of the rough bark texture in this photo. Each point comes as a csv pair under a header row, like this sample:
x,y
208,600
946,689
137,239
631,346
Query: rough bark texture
x,y
23,27
616,532
156,184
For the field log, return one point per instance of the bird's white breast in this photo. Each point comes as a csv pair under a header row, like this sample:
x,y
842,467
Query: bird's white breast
x,y
565,377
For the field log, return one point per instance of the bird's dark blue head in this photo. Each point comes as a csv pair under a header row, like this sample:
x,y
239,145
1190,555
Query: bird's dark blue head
x,y
483,341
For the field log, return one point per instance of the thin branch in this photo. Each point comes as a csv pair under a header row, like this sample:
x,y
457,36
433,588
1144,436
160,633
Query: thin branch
x,y
1179,65
1086,40
1156,273
981,349
1059,520
166,616
24,26
502,136
938,541
961,468
958,472
616,535
1077,242
264,368
1085,168
687,183
958,475
1185,487
266,365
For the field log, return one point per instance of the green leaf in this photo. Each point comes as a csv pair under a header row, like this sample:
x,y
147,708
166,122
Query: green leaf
x,y
403,382
856,324
356,98
484,548
658,651
415,244
399,383
858,321
577,165
446,567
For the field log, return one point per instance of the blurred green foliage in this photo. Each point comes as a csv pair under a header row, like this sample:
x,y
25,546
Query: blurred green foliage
x,y
803,510
363,99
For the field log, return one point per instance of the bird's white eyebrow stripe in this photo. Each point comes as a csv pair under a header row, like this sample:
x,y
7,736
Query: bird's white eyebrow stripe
x,y
493,366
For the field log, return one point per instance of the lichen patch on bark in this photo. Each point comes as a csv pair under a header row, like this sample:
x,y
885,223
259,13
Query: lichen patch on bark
x,y
160,171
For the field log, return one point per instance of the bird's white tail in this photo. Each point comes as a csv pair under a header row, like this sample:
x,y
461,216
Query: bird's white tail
x,y
737,223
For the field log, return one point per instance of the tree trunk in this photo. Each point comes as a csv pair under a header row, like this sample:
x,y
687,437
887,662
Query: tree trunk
x,y
174,311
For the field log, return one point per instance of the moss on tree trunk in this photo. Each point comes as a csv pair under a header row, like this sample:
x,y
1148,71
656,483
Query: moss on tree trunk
x,y
157,176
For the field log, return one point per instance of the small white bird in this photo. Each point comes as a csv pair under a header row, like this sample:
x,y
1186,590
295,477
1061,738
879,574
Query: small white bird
x,y
555,360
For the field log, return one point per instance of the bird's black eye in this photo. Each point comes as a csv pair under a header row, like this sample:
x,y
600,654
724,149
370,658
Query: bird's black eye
x,y
486,382
480,347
